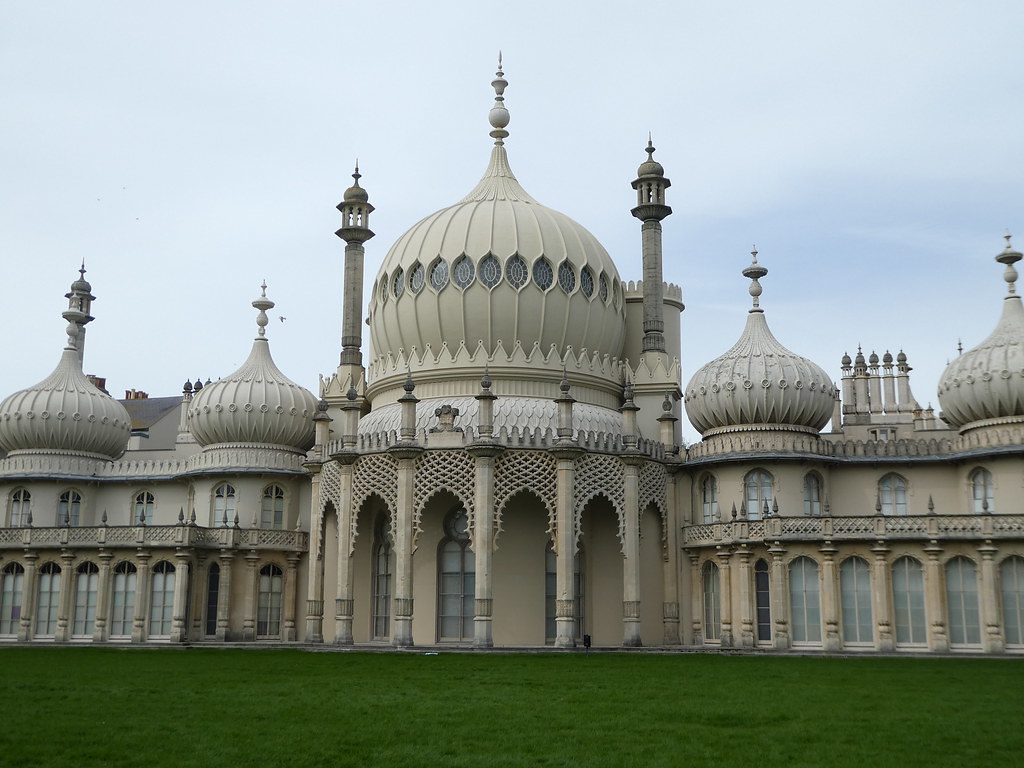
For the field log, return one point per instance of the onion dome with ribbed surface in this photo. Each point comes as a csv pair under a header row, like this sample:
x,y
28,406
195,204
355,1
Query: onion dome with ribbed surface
x,y
987,382
759,383
257,404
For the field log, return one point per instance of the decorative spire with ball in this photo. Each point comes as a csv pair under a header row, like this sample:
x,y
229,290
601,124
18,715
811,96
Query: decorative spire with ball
x,y
650,185
355,230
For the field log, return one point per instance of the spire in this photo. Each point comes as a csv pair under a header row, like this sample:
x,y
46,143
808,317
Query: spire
x,y
262,303
355,230
650,185
498,116
1009,257
754,273
78,314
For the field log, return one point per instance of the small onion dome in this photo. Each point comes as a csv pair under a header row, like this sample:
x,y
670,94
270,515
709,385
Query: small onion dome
x,y
255,404
650,167
873,360
887,358
64,413
759,382
355,193
846,361
987,382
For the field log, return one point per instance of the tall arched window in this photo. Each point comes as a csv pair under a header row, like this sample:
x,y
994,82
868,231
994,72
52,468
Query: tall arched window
x,y
709,499
551,593
962,602
272,508
892,495
161,600
21,505
69,507
812,494
763,602
85,599
982,496
1011,581
212,599
908,601
383,568
268,619
223,505
712,603
143,508
805,600
456,580
758,485
122,612
855,594
13,578
48,600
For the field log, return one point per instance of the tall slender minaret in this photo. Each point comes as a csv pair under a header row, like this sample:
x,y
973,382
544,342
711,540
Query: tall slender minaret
x,y
650,186
79,311
355,230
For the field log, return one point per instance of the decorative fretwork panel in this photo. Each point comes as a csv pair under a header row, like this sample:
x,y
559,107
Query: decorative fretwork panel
x,y
535,471
599,475
330,485
374,474
452,471
653,482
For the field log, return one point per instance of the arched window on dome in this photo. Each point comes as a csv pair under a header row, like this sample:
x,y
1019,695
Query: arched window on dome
x,y
566,277
543,274
962,602
417,278
517,272
142,508
21,506
161,599
272,508
47,600
456,582
892,495
69,507
1011,587
85,599
602,288
223,505
982,494
383,568
122,612
709,499
398,282
12,584
463,272
384,289
587,282
439,274
712,603
758,493
812,494
268,616
490,271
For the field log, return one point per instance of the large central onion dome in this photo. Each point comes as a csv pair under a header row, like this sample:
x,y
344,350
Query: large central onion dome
x,y
987,383
257,404
496,267
759,383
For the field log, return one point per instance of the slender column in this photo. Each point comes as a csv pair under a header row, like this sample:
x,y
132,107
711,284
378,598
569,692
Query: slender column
x,y
670,568
780,612
141,598
227,558
631,553
344,587
746,599
252,561
882,598
315,575
483,543
291,588
725,573
355,215
101,627
650,185
28,596
829,597
64,605
179,610
403,602
994,641
565,548
199,584
696,598
933,588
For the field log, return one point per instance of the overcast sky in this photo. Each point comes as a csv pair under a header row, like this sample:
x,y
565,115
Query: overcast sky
x,y
187,151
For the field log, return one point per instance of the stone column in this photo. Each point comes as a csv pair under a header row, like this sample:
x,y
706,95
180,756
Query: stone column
x,y
725,585
179,610
198,587
483,542
344,601
993,639
101,627
746,598
291,588
401,635
779,603
315,575
565,547
670,567
227,558
935,601
830,597
65,606
252,576
28,596
882,597
696,598
631,552
141,598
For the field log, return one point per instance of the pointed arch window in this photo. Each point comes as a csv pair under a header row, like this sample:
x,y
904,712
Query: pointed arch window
x,y
982,494
908,601
161,600
543,274
268,619
758,486
602,287
48,600
892,495
383,570
517,272
417,277
463,272
812,494
566,277
272,508
805,600
142,508
439,274
490,271
398,282
85,599
1011,587
763,602
712,603
855,598
11,588
223,505
122,612
962,602
587,282
21,506
709,499
69,507
456,580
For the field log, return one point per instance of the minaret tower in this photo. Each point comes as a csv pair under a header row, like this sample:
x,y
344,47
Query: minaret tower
x,y
79,311
650,186
355,230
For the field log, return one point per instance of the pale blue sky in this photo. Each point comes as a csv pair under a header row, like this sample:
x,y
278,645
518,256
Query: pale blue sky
x,y
187,151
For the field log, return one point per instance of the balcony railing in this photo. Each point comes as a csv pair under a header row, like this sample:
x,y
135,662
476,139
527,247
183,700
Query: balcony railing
x,y
112,536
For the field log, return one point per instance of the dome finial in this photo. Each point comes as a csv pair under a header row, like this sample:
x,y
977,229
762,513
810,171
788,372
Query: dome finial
x,y
263,304
1009,257
754,273
498,115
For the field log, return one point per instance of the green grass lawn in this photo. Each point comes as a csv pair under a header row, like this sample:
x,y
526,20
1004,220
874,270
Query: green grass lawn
x,y
198,707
